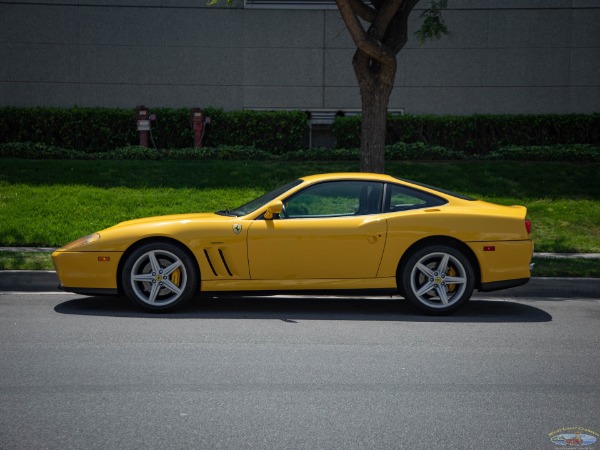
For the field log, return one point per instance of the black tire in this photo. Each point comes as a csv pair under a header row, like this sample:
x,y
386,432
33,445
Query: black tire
x,y
159,277
437,280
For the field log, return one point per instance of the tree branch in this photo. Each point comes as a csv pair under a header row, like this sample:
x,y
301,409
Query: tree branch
x,y
397,35
384,17
367,44
364,11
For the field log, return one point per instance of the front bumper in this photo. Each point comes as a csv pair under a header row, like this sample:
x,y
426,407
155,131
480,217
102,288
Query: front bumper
x,y
86,270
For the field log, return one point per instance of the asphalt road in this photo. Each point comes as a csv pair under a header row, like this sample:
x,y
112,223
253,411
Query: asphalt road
x,y
297,373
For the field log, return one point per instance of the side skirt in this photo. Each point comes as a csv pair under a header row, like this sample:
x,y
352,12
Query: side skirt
x,y
89,291
321,292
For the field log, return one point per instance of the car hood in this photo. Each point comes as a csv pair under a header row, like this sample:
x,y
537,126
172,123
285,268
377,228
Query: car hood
x,y
174,218
120,236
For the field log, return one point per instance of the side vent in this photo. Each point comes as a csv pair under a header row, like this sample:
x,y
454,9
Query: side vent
x,y
218,264
225,263
210,263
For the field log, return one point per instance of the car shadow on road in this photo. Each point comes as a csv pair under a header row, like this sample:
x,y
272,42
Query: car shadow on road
x,y
292,309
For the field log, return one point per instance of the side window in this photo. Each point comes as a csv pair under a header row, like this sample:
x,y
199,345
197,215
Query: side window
x,y
334,199
402,198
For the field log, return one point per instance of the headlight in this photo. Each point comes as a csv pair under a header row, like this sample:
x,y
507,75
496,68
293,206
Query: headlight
x,y
82,241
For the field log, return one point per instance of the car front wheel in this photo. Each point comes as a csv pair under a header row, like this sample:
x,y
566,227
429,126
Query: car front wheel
x,y
438,279
159,277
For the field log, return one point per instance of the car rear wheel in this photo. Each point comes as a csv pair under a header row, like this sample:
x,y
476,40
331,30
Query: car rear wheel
x,y
159,277
437,280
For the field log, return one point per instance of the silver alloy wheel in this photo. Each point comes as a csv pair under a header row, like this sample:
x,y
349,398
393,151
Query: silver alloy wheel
x,y
158,277
438,280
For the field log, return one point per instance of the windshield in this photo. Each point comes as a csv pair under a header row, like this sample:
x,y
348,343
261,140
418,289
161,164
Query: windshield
x,y
260,201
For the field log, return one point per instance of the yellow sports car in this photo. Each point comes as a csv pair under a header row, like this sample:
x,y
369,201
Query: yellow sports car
x,y
327,233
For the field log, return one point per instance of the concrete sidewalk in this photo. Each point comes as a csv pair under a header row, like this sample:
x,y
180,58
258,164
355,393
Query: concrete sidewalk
x,y
47,281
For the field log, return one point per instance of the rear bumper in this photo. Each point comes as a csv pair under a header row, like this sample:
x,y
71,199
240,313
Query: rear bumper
x,y
503,263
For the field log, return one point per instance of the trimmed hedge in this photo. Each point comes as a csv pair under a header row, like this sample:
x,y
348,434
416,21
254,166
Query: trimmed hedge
x,y
277,131
36,150
479,134
93,130
84,129
397,152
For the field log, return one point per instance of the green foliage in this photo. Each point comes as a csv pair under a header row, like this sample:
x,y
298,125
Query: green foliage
x,y
94,130
130,153
479,134
36,150
172,128
346,131
278,131
30,150
84,129
433,26
224,153
228,3
399,151
323,154
82,133
25,261
576,267
571,153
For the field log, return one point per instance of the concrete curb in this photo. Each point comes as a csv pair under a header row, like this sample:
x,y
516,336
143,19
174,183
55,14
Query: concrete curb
x,y
28,281
551,287
47,281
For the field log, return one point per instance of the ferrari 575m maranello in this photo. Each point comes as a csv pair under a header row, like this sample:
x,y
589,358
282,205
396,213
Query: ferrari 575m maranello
x,y
325,234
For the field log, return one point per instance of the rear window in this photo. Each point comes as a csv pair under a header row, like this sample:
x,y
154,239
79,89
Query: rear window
x,y
443,191
404,198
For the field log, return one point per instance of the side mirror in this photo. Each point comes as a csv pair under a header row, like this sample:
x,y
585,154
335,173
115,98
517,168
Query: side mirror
x,y
274,208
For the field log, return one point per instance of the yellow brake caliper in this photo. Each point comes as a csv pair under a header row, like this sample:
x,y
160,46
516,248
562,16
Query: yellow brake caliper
x,y
176,277
451,273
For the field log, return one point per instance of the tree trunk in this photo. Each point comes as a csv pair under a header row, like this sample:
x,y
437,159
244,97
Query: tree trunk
x,y
373,127
376,82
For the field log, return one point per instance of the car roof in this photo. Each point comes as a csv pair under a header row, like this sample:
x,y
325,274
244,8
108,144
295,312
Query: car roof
x,y
366,176
350,175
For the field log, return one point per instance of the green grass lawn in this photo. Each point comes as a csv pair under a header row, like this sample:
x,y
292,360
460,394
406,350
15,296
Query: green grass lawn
x,y
49,203
25,261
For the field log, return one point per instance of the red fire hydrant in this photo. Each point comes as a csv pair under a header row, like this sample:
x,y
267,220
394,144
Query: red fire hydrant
x,y
143,124
198,120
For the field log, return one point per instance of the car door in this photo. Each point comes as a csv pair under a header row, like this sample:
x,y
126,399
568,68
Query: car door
x,y
329,230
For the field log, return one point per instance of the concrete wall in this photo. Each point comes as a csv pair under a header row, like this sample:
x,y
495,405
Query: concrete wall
x,y
514,56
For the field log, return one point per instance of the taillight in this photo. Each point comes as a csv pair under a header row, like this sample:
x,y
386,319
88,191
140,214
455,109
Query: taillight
x,y
528,226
